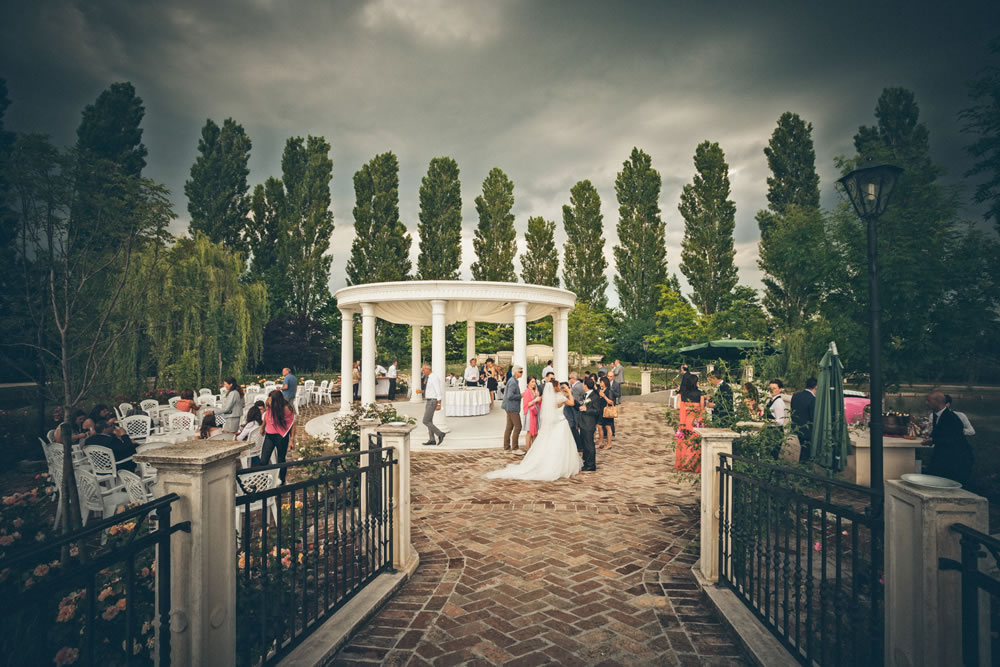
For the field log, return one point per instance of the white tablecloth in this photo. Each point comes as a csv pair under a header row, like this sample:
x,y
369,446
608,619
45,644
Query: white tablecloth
x,y
466,402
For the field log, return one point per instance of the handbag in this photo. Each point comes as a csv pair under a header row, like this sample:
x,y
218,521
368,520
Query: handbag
x,y
610,411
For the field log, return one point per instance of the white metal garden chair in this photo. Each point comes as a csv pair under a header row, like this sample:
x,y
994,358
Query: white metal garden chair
x,y
253,482
134,487
138,427
269,387
256,441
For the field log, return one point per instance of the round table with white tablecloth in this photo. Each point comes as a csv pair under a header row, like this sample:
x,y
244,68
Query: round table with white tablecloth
x,y
466,402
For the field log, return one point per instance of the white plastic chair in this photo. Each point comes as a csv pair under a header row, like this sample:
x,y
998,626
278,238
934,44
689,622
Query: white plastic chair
x,y
138,427
148,404
256,441
182,422
252,388
269,387
220,419
206,399
124,409
102,462
253,482
134,487
204,390
95,499
172,401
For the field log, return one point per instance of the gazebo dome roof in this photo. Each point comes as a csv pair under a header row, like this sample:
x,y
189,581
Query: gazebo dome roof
x,y
409,302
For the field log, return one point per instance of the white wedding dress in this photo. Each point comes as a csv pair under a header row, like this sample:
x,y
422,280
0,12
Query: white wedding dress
x,y
553,455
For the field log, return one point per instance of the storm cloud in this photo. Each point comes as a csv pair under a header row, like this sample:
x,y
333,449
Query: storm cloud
x,y
551,92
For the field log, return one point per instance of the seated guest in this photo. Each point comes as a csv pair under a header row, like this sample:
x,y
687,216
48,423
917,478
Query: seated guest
x,y
134,410
471,374
254,420
114,438
208,427
80,425
187,404
102,412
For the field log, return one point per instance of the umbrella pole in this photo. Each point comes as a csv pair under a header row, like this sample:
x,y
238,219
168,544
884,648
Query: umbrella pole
x,y
875,358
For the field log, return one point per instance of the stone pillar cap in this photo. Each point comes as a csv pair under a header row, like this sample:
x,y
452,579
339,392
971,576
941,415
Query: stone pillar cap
x,y
395,429
192,453
716,433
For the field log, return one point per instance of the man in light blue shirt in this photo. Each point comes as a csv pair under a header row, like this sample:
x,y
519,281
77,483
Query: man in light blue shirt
x,y
288,385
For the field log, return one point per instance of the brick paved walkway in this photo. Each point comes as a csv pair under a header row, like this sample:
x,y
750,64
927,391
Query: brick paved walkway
x,y
589,571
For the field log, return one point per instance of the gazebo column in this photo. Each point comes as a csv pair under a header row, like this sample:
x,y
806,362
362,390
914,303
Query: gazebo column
x,y
367,354
415,364
346,359
439,362
560,343
521,339
470,339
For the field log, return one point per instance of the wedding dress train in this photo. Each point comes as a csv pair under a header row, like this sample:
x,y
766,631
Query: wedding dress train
x,y
553,454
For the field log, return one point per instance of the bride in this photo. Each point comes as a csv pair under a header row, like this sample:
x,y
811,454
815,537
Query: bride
x,y
553,454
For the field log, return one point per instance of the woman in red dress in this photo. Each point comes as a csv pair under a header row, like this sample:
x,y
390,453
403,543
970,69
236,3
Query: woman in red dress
x,y
529,402
687,456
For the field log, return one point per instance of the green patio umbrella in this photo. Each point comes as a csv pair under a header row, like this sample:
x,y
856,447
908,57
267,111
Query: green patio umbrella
x,y
727,348
829,446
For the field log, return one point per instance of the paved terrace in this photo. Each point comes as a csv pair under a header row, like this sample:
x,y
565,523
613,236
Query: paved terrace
x,y
589,571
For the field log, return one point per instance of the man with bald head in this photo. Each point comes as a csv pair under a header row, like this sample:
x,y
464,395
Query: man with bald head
x,y
952,456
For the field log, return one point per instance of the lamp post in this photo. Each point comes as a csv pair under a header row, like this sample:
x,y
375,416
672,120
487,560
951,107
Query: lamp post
x,y
645,349
869,188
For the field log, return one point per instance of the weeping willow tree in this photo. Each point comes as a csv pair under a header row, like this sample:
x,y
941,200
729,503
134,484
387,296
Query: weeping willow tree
x,y
204,323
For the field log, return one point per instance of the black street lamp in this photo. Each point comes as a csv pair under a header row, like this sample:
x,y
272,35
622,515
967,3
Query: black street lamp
x,y
645,349
869,188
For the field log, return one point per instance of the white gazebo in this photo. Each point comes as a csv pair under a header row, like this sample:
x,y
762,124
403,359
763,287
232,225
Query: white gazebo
x,y
438,303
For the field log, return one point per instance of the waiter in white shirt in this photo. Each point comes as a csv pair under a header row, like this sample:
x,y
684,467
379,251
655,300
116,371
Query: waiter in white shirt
x,y
434,394
776,404
391,374
472,374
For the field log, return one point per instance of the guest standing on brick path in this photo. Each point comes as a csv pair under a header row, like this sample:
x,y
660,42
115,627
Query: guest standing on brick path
x,y
512,405
433,395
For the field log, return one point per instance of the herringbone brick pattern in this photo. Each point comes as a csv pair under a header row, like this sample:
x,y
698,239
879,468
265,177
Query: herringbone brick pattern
x,y
594,570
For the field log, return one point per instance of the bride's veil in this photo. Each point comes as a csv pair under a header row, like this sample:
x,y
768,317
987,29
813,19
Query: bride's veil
x,y
548,411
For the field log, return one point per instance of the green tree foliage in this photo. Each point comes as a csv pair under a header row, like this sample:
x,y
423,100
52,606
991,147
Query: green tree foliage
x,y
740,317
916,235
291,228
381,248
78,249
677,324
495,242
583,255
709,214
217,192
589,332
540,261
797,260
641,256
792,249
982,119
204,323
110,131
440,227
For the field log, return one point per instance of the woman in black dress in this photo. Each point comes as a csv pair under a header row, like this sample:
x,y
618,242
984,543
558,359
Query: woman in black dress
x,y
491,380
605,425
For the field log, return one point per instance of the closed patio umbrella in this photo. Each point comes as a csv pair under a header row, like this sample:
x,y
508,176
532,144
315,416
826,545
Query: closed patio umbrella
x,y
829,446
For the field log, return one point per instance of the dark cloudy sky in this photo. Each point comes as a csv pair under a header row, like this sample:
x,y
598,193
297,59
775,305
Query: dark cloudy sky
x,y
551,92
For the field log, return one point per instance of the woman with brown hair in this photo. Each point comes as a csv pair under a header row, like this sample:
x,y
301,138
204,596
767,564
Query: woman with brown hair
x,y
232,406
208,427
277,428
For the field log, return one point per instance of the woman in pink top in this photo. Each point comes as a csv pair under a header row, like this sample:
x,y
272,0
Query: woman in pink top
x,y
529,402
277,428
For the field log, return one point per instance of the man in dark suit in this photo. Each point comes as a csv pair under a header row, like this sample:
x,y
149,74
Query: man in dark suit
x,y
952,456
591,409
116,439
803,408
577,391
722,402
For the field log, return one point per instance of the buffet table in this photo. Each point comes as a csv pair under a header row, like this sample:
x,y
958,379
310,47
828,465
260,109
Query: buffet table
x,y
899,456
466,402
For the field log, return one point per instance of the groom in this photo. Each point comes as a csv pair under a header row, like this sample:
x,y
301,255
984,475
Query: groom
x,y
591,408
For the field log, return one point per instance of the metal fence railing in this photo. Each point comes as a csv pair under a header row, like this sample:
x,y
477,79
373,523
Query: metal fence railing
x,y
804,553
98,595
308,546
973,543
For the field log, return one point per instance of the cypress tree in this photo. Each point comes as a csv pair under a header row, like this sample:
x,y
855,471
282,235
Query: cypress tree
x,y
707,251
217,192
540,261
641,255
440,227
495,240
583,254
381,248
